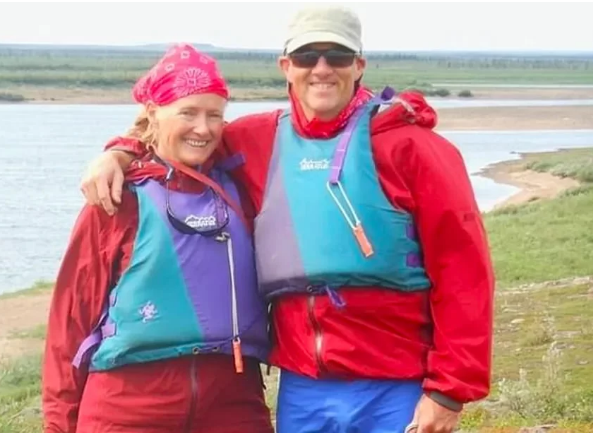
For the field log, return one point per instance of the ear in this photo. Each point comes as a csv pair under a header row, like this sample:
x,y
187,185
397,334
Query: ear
x,y
151,109
284,65
360,66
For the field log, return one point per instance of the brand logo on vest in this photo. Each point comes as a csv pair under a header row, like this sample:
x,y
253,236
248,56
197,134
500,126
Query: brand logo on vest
x,y
310,164
148,312
200,221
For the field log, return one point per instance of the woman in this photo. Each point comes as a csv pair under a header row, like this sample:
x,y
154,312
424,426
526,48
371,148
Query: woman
x,y
155,324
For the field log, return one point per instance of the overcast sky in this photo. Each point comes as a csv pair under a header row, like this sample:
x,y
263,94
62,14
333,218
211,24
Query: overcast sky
x,y
386,26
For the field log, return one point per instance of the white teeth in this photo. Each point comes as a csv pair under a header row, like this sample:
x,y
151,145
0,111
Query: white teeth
x,y
196,143
322,86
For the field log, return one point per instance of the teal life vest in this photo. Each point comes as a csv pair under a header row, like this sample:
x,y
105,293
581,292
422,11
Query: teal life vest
x,y
325,222
182,294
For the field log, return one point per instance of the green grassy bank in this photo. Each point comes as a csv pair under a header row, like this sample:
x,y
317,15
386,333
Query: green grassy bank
x,y
253,75
543,360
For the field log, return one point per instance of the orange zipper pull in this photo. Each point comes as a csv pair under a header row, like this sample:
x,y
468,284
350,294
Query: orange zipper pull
x,y
238,355
363,241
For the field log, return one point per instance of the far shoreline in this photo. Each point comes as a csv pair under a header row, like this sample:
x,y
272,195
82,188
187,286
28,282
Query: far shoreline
x,y
122,96
550,117
532,185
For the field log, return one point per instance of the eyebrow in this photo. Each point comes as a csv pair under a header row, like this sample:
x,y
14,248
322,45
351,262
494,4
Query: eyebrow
x,y
194,108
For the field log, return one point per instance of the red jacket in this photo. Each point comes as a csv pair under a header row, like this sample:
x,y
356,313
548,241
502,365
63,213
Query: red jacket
x,y
443,337
156,397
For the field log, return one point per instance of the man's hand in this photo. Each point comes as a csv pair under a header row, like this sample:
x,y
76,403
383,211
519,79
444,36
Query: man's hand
x,y
431,417
103,181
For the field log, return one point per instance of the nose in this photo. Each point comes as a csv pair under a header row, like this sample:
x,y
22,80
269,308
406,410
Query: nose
x,y
322,67
200,126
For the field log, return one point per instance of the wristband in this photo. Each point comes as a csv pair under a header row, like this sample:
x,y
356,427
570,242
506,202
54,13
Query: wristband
x,y
445,401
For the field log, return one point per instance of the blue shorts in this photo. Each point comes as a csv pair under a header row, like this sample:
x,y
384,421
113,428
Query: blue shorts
x,y
308,405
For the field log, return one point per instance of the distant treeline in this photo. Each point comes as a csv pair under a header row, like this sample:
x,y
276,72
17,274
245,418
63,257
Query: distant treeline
x,y
461,59
453,60
239,54
104,68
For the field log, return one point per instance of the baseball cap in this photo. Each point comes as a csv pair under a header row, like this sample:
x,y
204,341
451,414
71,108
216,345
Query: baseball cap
x,y
335,24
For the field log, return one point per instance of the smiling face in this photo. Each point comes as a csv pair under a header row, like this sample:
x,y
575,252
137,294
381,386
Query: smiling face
x,y
189,129
323,77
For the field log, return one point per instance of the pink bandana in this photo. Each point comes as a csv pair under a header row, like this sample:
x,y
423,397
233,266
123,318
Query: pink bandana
x,y
182,71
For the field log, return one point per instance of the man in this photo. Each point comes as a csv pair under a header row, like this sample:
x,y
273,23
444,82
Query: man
x,y
370,244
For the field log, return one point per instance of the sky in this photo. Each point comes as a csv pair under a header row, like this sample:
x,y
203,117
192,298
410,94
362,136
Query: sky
x,y
386,26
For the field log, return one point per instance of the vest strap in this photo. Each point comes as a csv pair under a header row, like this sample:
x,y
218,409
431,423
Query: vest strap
x,y
232,162
342,147
88,345
104,329
209,182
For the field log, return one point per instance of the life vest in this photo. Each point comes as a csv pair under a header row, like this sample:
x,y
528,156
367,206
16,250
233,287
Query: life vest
x,y
183,293
325,222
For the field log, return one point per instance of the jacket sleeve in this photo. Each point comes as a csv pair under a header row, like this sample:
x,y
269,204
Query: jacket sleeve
x,y
129,145
457,259
81,290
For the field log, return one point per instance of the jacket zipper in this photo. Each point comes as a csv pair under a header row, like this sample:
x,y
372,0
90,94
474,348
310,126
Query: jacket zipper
x,y
194,395
318,342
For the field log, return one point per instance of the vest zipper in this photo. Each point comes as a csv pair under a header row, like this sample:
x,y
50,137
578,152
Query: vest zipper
x,y
226,237
194,395
318,334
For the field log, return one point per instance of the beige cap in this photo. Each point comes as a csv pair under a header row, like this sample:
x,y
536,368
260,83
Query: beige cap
x,y
324,24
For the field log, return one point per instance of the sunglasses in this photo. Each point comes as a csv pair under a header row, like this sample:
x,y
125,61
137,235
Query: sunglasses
x,y
215,223
334,58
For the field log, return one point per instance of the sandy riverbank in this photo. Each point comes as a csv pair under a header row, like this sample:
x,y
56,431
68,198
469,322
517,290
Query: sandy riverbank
x,y
73,95
523,93
516,118
20,314
533,185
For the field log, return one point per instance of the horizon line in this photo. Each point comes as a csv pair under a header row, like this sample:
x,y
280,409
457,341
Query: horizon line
x,y
227,48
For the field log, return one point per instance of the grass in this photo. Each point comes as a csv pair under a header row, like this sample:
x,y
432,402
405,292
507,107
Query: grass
x,y
546,240
543,361
36,288
543,241
20,395
251,71
576,163
11,97
36,333
543,357
262,73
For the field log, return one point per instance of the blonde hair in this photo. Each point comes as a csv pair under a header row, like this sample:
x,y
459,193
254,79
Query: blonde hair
x,y
143,130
